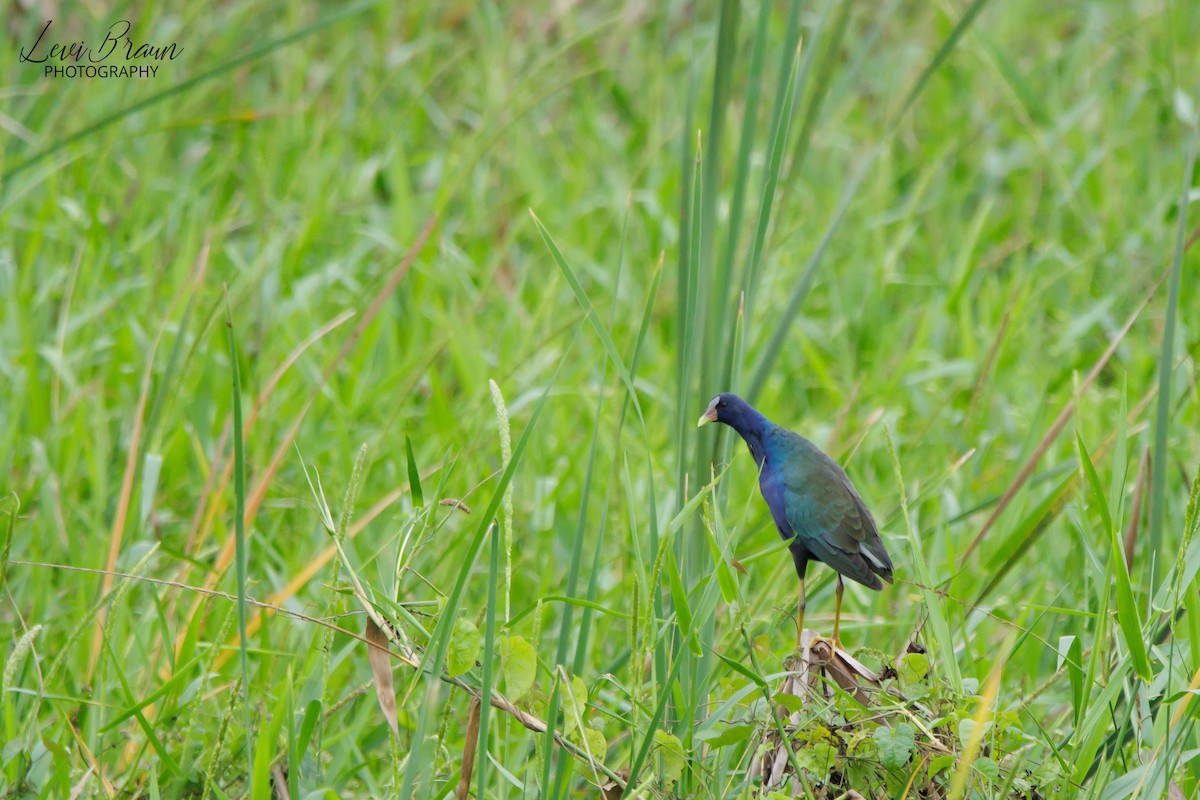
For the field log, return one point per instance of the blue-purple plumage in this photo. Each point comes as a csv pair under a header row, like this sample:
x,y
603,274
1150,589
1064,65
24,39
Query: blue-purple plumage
x,y
812,502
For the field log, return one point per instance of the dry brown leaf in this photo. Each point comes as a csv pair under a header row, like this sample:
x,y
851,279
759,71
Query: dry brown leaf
x,y
381,673
468,762
455,503
279,783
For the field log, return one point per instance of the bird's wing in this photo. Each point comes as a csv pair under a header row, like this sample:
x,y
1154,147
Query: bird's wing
x,y
833,523
871,545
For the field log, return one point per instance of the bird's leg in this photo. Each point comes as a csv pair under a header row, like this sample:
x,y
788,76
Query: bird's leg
x,y
800,615
837,613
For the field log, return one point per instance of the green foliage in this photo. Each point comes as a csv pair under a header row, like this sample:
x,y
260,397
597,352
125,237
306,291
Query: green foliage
x,y
894,745
670,750
906,228
518,662
465,642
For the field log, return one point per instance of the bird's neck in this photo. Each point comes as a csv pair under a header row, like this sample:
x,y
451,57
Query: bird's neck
x,y
758,452
753,427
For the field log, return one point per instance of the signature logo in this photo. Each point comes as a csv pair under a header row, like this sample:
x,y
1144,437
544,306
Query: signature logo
x,y
81,60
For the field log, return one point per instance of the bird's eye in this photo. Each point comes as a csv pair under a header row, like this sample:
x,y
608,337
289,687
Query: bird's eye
x,y
721,404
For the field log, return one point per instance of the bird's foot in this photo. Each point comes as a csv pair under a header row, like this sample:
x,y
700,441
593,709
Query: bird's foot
x,y
809,638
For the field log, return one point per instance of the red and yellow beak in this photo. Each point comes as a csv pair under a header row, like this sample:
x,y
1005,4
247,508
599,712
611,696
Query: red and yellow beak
x,y
710,415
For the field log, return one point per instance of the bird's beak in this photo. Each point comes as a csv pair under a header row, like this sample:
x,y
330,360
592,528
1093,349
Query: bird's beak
x,y
710,415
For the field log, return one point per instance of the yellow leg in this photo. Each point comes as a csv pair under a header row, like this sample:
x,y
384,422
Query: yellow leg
x,y
837,614
800,615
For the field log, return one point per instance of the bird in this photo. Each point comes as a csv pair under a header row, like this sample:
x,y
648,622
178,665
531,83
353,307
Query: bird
x,y
812,502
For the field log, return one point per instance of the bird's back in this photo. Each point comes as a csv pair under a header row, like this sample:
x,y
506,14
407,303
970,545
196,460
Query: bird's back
x,y
810,494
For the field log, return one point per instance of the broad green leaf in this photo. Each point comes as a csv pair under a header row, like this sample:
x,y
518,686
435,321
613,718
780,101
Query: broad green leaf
x,y
966,727
912,667
464,647
789,701
817,757
895,744
940,764
518,665
575,697
671,750
725,736
987,768
597,745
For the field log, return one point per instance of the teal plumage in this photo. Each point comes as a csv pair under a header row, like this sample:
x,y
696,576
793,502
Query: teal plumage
x,y
821,510
812,501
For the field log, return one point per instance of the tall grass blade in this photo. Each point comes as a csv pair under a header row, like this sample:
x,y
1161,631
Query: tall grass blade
x,y
800,292
1166,364
414,475
824,80
439,642
584,630
934,607
489,666
566,625
741,179
1127,609
239,526
713,278
591,316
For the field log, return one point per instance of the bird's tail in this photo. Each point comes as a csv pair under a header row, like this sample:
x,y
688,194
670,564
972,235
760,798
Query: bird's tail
x,y
878,560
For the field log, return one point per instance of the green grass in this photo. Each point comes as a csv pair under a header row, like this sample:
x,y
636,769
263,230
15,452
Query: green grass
x,y
950,243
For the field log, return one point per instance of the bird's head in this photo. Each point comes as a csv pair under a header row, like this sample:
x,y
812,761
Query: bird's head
x,y
727,408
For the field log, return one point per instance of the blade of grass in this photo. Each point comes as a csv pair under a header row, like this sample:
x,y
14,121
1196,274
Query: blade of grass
x,y
414,475
800,292
1166,363
713,278
1059,423
933,605
983,715
439,642
785,102
489,664
741,173
183,86
566,623
151,736
239,486
824,80
1127,610
140,422
582,643
590,314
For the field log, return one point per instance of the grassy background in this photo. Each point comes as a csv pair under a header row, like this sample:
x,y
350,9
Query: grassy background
x,y
967,204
